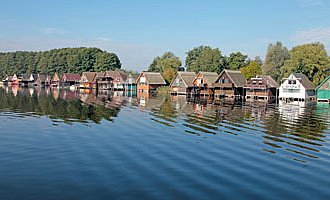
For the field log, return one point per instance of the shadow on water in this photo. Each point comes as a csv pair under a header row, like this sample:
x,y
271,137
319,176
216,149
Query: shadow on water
x,y
60,105
293,131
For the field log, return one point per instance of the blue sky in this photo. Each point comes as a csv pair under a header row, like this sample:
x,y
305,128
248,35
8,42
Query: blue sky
x,y
137,31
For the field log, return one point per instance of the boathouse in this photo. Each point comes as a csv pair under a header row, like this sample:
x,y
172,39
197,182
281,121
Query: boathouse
x,y
42,80
28,79
118,79
130,83
203,84
261,88
323,91
181,82
55,82
70,79
297,87
149,81
86,80
14,80
229,84
103,81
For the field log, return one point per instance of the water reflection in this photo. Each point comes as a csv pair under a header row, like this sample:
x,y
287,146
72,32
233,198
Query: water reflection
x,y
292,131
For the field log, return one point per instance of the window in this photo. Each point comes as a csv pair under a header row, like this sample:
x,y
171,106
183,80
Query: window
x,y
290,82
294,82
142,79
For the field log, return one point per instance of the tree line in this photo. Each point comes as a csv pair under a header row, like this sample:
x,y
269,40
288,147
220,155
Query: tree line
x,y
309,59
65,60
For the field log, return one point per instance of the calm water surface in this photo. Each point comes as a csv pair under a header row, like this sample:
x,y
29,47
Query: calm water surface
x,y
82,145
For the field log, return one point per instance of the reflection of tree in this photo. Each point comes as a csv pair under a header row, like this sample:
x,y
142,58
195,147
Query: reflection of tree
x,y
67,110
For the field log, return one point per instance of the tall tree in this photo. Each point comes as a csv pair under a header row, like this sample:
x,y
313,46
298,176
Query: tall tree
x,y
167,65
253,69
236,60
276,55
204,58
309,59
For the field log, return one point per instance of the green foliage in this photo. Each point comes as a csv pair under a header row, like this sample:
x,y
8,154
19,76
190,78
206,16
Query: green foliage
x,y
253,69
236,60
75,60
309,59
204,58
167,65
276,55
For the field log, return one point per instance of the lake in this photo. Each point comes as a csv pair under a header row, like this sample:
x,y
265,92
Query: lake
x,y
62,144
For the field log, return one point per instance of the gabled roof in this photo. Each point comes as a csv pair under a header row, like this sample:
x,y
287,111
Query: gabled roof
x,y
117,74
89,76
304,81
235,76
210,77
270,81
71,77
187,78
153,78
324,81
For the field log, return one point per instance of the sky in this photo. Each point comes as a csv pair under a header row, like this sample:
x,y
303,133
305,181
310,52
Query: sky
x,y
139,30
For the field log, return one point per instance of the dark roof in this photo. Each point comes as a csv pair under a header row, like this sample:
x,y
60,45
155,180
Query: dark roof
x,y
210,77
187,77
154,78
117,74
89,76
235,76
304,81
270,81
71,77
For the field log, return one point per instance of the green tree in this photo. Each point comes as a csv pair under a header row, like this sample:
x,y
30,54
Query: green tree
x,y
276,55
253,69
58,60
167,65
204,58
309,59
236,60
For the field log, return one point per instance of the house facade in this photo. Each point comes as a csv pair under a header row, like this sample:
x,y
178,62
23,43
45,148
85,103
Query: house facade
x,y
229,84
69,79
323,91
55,81
203,84
86,80
297,87
181,82
118,79
261,88
42,80
149,81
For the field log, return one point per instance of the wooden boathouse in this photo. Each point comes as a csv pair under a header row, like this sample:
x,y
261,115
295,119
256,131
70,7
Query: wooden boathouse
x,y
229,84
182,82
261,88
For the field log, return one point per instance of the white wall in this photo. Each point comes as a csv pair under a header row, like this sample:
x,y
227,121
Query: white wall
x,y
287,90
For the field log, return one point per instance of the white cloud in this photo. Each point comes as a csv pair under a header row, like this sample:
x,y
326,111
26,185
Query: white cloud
x,y
309,3
52,31
313,35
